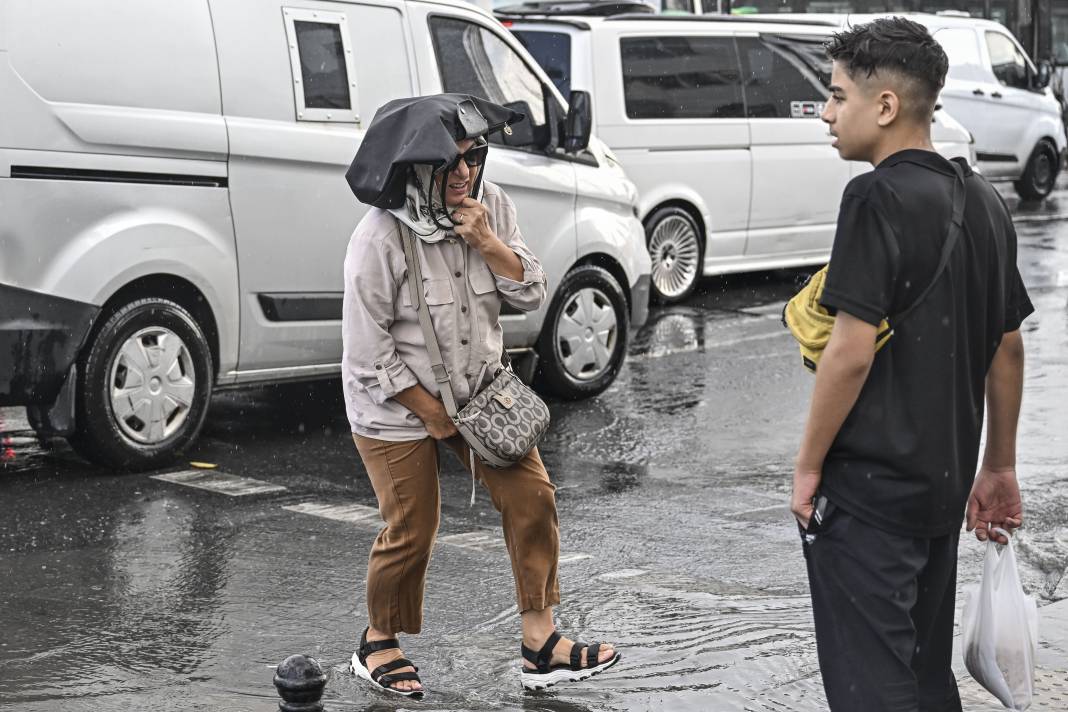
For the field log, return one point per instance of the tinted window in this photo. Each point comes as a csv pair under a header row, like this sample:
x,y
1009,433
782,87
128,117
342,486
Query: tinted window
x,y
552,50
1007,61
475,61
777,82
681,78
322,65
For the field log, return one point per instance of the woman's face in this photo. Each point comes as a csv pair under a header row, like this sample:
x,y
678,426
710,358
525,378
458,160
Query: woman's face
x,y
462,178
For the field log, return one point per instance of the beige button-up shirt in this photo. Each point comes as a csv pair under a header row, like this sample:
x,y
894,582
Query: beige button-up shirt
x,y
384,349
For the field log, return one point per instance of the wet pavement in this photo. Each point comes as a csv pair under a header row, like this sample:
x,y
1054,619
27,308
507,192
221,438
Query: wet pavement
x,y
184,590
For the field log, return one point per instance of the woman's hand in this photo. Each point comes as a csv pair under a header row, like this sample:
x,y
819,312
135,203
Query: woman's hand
x,y
438,423
474,225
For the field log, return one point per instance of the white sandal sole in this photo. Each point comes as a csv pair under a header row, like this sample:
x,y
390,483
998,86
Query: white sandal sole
x,y
360,671
543,681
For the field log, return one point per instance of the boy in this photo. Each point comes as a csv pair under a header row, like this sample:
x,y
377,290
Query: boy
x,y
891,444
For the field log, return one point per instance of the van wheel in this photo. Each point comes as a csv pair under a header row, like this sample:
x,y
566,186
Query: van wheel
x,y
584,339
145,381
675,248
1040,175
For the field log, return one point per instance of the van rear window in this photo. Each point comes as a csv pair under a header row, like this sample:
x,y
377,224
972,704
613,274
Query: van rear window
x,y
552,50
681,78
322,65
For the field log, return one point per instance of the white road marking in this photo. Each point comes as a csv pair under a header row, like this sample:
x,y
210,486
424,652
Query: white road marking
x,y
350,513
1040,218
476,540
221,482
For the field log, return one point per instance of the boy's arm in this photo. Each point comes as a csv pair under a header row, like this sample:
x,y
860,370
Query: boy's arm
x,y
841,374
995,498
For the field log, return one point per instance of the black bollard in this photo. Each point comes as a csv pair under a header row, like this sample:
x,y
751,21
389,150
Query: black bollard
x,y
300,682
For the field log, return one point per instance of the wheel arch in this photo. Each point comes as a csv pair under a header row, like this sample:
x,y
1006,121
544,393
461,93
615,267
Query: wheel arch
x,y
685,205
614,268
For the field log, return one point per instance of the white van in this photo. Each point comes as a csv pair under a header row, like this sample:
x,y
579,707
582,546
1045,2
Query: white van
x,y
998,93
716,119
174,213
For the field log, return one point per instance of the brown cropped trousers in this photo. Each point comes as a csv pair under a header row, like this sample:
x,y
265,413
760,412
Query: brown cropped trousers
x,y
405,479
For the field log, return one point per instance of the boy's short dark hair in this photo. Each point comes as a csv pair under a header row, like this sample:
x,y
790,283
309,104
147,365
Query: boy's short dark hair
x,y
899,47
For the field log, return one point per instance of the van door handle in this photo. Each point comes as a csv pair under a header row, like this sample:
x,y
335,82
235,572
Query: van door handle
x,y
978,92
996,95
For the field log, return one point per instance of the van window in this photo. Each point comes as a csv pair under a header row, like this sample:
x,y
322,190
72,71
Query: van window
x,y
552,50
681,78
473,60
1007,61
321,58
776,82
322,65
962,49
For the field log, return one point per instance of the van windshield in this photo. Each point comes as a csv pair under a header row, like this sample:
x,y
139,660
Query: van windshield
x,y
552,50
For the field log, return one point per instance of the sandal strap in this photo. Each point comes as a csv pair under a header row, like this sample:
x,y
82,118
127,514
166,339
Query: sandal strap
x,y
374,646
391,666
593,655
543,657
388,680
576,655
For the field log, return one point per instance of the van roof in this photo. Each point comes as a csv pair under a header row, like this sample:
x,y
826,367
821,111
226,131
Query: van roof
x,y
849,19
754,22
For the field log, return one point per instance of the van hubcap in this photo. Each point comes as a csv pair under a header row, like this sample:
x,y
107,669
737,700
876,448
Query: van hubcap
x,y
586,334
152,383
674,248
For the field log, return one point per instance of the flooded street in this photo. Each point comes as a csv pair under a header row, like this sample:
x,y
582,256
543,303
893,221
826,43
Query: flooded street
x,y
183,589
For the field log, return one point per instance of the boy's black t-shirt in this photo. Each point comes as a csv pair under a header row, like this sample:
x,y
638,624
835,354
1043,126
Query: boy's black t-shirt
x,y
906,456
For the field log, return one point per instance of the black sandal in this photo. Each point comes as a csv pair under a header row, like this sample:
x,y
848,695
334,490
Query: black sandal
x,y
546,675
383,675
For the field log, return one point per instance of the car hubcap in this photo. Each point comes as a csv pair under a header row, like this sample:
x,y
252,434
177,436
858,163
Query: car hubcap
x,y
674,248
152,385
586,334
1043,171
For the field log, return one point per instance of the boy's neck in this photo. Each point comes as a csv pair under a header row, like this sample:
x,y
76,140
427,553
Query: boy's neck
x,y
918,139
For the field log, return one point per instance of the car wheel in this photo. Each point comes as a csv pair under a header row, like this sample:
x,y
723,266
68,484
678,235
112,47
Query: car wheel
x,y
584,338
676,251
145,379
1040,174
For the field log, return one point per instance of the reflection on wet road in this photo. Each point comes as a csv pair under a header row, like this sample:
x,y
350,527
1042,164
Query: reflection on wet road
x,y
129,592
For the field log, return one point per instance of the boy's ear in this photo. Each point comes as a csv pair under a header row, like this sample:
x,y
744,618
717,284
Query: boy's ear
x,y
889,107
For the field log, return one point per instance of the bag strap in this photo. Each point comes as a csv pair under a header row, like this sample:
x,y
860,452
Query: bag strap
x,y
956,227
415,284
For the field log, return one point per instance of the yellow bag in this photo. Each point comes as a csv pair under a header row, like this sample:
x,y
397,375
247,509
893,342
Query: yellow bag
x,y
811,324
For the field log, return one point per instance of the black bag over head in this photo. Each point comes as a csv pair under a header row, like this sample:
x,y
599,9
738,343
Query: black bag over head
x,y
418,130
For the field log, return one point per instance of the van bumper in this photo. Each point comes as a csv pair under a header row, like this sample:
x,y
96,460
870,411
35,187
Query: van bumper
x,y
40,336
639,301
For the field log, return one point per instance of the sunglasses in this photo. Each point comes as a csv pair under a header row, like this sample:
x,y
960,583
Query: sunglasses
x,y
474,157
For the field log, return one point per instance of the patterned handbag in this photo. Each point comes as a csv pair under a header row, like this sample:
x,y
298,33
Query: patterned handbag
x,y
502,422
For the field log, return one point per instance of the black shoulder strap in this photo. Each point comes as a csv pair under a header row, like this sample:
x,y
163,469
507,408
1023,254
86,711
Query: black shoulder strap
x,y
956,227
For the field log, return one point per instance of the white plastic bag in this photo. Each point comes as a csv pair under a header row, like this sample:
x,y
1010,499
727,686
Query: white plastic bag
x,y
999,628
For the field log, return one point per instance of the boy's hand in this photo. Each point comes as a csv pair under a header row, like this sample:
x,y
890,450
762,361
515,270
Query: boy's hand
x,y
806,483
994,502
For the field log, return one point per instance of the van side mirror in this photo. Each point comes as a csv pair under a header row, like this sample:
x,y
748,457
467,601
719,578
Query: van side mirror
x,y
1044,75
579,122
523,132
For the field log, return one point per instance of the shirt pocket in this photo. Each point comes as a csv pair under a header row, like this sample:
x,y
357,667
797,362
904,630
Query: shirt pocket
x,y
482,280
436,291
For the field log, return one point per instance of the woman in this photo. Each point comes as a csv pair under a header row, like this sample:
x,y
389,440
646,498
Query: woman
x,y
420,164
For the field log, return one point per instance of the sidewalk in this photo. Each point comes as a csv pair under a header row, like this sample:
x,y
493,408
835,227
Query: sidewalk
x,y
1051,676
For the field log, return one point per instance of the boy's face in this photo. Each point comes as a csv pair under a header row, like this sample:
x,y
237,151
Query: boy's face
x,y
854,114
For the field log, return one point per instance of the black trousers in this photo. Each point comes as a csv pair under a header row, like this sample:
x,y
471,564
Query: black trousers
x,y
883,606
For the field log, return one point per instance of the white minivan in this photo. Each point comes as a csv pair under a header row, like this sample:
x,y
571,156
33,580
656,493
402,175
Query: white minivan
x,y
716,119
174,213
997,93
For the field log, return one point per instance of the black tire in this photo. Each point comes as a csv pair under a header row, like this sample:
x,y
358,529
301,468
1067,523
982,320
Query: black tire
x,y
1040,175
104,438
576,381
678,262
